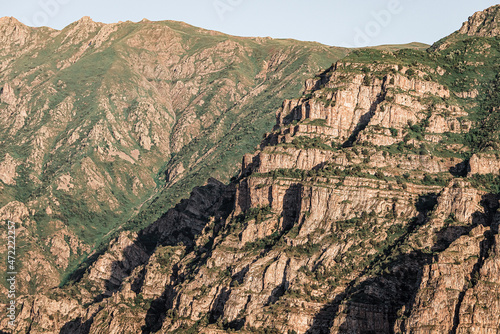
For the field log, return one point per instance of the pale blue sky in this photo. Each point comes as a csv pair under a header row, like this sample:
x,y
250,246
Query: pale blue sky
x,y
332,22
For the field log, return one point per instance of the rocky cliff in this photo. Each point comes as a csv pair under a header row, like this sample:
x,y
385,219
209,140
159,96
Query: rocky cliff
x,y
371,207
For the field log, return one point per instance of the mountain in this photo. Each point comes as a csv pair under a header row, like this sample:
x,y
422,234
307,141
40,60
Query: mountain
x,y
370,207
99,120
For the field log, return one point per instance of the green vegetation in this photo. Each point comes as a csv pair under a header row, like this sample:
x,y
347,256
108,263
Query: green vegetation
x,y
487,182
486,133
316,122
257,214
396,47
308,249
25,187
266,243
304,142
326,171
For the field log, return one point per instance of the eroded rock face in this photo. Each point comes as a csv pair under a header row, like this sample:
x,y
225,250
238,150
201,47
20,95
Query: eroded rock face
x,y
123,256
484,24
32,267
8,170
484,164
480,306
358,213
443,282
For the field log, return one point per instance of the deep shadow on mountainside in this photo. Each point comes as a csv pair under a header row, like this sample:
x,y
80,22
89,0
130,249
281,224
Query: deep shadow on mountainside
x,y
371,207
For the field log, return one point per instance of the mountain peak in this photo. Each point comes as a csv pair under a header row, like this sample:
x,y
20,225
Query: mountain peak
x,y
86,20
484,24
85,24
9,20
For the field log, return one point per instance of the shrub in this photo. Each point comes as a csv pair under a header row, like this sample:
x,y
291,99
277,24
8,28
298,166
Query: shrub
x,y
489,182
367,80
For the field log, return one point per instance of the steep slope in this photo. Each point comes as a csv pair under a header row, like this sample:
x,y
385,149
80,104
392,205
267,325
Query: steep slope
x,y
372,207
98,119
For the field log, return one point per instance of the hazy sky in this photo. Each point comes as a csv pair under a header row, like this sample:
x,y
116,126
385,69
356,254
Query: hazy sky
x,y
332,22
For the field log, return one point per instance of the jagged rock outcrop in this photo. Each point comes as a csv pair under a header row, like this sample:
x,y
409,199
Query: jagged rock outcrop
x,y
8,167
484,24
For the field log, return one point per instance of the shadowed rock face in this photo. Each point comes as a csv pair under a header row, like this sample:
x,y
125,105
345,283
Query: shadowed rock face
x,y
371,207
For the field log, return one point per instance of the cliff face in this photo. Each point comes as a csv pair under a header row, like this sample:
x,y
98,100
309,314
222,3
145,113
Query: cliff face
x,y
371,207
